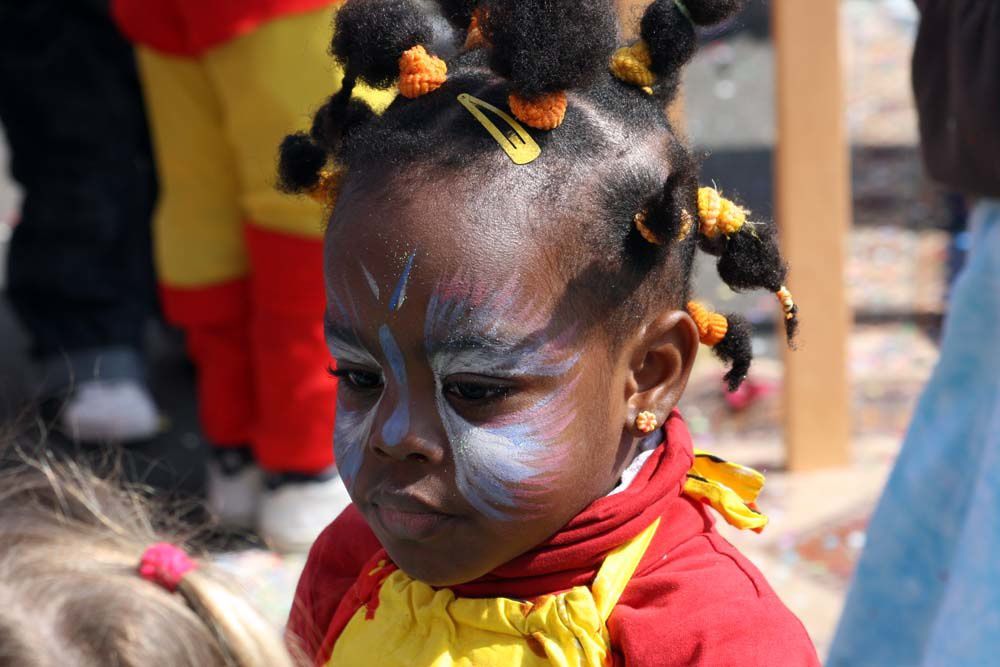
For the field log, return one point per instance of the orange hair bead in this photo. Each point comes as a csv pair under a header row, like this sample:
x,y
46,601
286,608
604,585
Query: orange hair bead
x,y
420,72
545,112
787,302
712,327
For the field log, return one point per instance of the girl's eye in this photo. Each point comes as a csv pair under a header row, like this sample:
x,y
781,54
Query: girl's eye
x,y
358,380
476,391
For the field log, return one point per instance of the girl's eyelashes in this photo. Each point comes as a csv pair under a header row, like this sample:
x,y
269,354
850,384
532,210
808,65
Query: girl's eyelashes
x,y
476,390
357,379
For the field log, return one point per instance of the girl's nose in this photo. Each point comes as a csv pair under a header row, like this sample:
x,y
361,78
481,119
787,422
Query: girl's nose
x,y
411,447
401,435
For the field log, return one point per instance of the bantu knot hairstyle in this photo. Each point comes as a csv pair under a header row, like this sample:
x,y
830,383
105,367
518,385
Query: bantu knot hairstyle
x,y
668,41
372,35
543,54
552,63
370,40
539,51
748,259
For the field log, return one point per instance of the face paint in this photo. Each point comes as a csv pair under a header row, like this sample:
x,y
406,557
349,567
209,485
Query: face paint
x,y
352,428
396,426
372,283
399,294
351,433
500,464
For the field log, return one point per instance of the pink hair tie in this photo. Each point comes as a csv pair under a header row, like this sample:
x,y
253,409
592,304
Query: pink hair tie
x,y
165,565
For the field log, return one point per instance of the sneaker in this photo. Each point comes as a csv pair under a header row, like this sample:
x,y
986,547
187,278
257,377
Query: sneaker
x,y
110,411
234,486
296,508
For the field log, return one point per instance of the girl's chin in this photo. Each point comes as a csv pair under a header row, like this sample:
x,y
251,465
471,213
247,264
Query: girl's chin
x,y
437,569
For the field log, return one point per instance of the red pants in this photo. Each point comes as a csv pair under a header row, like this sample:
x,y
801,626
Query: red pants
x,y
261,359
239,263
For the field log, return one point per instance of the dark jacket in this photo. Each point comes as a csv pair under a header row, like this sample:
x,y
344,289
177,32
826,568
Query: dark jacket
x,y
956,81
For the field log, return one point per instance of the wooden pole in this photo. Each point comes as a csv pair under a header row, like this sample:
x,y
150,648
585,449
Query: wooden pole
x,y
812,198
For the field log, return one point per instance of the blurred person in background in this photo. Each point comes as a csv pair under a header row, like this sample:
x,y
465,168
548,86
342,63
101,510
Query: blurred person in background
x,y
927,587
80,274
239,263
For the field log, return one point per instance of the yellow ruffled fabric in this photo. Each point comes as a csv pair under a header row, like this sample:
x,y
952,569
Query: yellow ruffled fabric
x,y
415,625
731,489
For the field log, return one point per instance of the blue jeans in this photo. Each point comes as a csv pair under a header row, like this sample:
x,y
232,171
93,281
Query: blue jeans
x,y
927,587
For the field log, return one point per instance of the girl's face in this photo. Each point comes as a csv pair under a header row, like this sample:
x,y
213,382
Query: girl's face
x,y
475,416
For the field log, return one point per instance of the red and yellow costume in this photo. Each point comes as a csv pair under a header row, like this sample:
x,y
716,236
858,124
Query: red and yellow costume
x,y
239,263
639,578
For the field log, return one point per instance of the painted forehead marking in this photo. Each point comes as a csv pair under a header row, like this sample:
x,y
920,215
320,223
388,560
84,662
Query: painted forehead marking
x,y
372,284
399,294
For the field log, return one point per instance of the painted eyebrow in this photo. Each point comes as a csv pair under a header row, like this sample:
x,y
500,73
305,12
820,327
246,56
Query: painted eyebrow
x,y
343,340
473,341
333,330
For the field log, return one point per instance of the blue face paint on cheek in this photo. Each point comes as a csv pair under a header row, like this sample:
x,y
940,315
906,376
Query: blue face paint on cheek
x,y
498,469
396,426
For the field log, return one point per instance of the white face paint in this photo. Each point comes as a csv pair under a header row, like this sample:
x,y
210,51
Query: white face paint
x,y
501,464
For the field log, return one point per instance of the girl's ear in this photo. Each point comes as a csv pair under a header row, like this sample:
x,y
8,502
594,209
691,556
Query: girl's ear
x,y
660,362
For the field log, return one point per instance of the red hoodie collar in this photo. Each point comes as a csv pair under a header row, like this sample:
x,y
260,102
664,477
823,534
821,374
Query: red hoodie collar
x,y
572,556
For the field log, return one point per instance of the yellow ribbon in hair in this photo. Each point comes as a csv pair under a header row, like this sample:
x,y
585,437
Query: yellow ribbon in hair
x,y
632,64
719,215
731,490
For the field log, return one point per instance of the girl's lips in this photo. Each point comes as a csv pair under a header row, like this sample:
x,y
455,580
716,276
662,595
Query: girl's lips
x,y
412,526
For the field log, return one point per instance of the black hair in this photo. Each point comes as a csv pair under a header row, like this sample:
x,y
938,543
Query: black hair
x,y
637,240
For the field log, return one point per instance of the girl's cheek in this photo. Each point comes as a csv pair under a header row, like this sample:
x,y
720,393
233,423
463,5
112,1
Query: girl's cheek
x,y
507,467
353,429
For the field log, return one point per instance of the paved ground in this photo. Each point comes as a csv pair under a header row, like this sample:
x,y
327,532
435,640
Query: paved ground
x,y
895,275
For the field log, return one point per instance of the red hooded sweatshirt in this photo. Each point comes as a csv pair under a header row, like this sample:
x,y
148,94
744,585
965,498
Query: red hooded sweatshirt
x,y
693,600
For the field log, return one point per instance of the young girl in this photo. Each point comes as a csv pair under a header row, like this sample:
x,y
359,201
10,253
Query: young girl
x,y
85,580
508,269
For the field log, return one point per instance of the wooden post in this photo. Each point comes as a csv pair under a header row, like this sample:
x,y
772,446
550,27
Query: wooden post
x,y
629,13
812,203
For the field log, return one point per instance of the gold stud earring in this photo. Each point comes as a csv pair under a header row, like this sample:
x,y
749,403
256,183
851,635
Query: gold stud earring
x,y
646,422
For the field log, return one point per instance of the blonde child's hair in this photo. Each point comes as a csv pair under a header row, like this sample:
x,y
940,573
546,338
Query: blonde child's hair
x,y
71,594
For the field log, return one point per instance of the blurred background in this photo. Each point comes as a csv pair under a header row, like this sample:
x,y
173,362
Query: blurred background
x,y
903,245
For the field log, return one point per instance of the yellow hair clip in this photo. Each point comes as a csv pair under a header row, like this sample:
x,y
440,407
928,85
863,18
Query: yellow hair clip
x,y
515,142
